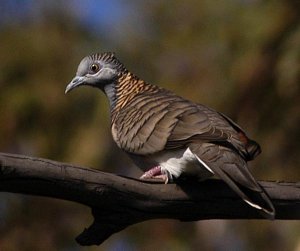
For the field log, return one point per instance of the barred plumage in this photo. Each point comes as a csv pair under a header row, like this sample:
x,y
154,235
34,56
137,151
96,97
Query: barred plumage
x,y
168,136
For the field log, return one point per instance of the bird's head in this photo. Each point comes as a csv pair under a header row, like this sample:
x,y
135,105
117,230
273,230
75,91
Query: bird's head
x,y
97,70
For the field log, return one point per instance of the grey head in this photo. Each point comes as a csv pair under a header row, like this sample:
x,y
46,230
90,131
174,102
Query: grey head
x,y
97,70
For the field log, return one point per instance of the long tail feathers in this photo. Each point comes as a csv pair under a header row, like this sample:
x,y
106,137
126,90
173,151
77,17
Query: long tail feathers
x,y
233,170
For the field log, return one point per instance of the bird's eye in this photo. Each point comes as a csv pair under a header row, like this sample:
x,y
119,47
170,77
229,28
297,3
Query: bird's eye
x,y
94,67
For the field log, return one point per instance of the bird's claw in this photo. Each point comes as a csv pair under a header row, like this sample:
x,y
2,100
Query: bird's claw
x,y
155,173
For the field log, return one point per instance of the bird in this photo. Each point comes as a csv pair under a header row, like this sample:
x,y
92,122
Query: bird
x,y
169,137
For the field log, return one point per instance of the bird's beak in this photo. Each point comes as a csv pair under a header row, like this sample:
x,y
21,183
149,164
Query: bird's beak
x,y
77,81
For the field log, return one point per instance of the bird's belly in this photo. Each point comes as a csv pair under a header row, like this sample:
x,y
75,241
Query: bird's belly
x,y
178,162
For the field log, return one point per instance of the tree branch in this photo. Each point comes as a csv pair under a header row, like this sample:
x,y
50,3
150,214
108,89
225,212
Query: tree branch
x,y
118,202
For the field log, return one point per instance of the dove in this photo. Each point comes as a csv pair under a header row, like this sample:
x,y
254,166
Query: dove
x,y
170,137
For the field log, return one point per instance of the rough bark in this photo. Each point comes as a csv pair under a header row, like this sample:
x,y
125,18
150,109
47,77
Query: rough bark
x,y
118,202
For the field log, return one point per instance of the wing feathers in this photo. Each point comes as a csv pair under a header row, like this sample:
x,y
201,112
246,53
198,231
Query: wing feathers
x,y
178,121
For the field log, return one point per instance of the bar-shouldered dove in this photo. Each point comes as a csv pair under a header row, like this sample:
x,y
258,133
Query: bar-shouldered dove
x,y
168,136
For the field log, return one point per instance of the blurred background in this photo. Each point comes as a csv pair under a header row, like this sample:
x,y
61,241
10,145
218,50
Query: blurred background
x,y
240,57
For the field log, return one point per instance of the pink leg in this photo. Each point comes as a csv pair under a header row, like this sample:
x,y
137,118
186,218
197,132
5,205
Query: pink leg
x,y
155,173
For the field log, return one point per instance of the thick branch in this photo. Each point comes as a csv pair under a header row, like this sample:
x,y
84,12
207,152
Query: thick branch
x,y
118,202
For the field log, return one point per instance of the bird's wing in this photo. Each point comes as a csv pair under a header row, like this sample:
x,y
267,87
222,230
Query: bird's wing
x,y
149,124
164,121
232,169
200,123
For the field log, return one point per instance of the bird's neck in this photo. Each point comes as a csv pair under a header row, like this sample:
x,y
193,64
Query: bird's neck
x,y
110,91
123,90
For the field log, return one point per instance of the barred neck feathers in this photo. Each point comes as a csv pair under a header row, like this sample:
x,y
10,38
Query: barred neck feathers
x,y
126,88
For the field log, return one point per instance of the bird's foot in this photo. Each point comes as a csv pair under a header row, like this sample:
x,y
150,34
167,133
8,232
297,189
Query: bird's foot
x,y
155,173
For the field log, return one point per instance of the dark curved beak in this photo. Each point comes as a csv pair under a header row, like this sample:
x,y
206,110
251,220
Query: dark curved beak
x,y
77,81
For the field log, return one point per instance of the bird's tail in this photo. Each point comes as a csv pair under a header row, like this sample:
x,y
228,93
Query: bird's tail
x,y
232,169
